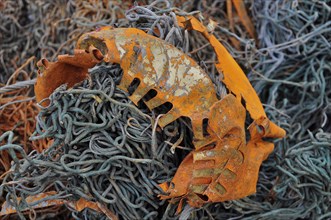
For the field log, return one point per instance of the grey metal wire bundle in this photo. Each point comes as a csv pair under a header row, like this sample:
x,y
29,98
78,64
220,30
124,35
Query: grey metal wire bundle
x,y
17,86
102,151
86,123
48,28
290,69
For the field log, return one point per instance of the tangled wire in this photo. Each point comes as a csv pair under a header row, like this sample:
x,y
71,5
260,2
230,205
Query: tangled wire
x,y
102,150
107,150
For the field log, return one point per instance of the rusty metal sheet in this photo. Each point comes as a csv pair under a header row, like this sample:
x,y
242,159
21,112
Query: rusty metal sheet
x,y
67,70
244,18
222,166
176,77
240,7
8,209
225,167
234,77
224,170
78,205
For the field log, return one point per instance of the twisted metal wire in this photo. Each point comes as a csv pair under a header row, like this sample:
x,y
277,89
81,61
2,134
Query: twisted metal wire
x,y
101,152
289,68
17,86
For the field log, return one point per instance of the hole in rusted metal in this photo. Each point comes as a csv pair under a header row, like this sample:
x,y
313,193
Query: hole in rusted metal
x,y
164,108
97,54
205,126
203,197
208,146
260,129
99,44
44,62
243,102
149,95
133,86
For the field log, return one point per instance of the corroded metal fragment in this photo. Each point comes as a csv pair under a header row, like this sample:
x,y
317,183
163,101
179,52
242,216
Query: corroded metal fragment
x,y
224,170
157,65
175,77
222,166
67,70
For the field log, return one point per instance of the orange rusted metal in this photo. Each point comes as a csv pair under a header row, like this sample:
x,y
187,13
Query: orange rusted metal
x,y
175,77
227,168
222,166
244,18
67,70
78,205
150,60
8,209
19,117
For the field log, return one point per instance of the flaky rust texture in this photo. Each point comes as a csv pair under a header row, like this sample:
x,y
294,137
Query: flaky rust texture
x,y
222,166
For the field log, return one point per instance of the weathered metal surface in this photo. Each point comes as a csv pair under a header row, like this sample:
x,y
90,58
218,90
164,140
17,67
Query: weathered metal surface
x,y
176,77
225,169
160,66
229,169
67,70
222,166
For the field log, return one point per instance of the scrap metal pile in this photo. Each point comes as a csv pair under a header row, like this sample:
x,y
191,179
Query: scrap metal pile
x,y
146,119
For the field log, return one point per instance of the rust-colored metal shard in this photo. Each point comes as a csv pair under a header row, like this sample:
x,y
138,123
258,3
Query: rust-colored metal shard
x,y
7,209
222,166
67,70
175,77
234,77
244,18
223,170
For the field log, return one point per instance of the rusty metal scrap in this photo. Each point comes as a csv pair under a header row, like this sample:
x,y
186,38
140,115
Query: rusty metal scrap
x,y
150,60
67,70
222,166
230,167
49,201
17,113
225,169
